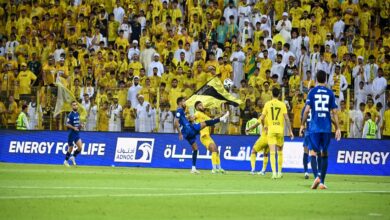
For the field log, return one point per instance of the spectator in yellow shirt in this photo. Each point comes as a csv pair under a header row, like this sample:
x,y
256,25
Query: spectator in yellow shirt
x,y
26,79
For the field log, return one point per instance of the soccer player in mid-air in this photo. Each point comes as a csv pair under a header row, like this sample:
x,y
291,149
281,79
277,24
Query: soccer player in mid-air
x,y
206,139
321,103
190,130
73,123
275,112
261,145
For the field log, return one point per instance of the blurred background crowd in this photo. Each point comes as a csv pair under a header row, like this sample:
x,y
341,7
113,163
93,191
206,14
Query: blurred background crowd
x,y
127,61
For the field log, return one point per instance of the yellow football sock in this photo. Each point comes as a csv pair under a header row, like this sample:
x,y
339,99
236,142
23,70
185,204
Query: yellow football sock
x,y
280,161
273,161
253,161
265,162
218,159
214,156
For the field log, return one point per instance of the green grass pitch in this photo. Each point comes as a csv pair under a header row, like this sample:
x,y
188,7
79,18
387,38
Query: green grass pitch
x,y
56,192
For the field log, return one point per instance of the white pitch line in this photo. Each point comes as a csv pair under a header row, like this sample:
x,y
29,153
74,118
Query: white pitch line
x,y
182,194
108,188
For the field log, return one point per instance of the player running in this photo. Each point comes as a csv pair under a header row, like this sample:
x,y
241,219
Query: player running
x,y
73,123
206,139
321,102
273,111
190,130
261,145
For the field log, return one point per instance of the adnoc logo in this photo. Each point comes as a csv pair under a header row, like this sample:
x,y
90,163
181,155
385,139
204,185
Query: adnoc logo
x,y
134,150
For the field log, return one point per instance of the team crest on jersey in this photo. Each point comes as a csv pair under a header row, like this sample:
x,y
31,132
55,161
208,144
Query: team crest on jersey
x,y
134,150
178,114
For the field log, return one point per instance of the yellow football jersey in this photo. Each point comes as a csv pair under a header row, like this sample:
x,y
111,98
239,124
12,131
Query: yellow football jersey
x,y
200,117
274,111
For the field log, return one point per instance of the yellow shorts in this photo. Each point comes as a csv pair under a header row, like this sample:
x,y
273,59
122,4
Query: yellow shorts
x,y
261,145
206,141
275,139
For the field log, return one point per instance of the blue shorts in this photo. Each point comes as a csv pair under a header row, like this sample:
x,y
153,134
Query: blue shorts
x,y
73,138
190,132
319,142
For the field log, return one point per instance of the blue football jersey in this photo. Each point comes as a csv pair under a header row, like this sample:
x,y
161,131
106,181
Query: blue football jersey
x,y
321,101
181,116
74,120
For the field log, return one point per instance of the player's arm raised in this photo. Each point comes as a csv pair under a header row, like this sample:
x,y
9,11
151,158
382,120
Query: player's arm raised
x,y
303,120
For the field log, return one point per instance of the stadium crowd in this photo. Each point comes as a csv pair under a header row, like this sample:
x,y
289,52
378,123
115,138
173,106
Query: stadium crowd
x,y
127,61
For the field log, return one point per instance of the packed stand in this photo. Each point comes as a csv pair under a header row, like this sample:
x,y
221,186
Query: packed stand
x,y
127,61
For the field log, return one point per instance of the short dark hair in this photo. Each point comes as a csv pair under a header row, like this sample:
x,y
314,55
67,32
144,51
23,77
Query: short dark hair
x,y
24,107
197,103
321,76
180,99
275,92
368,114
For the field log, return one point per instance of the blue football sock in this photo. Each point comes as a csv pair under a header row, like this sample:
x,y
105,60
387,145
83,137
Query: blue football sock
x,y
314,165
319,159
194,156
324,168
67,156
305,161
212,122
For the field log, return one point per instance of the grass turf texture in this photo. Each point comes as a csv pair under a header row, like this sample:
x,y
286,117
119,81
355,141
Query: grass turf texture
x,y
57,192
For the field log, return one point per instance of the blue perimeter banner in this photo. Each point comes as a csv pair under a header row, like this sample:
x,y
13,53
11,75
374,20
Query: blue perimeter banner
x,y
348,156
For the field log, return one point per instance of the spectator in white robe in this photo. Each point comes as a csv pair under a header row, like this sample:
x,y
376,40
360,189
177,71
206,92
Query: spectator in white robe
x,y
87,89
295,47
271,51
133,50
216,50
303,63
284,27
338,29
329,41
243,13
370,72
303,39
230,11
147,55
91,117
360,94
322,65
266,24
156,64
144,116
166,120
119,12
238,60
356,116
358,72
314,58
115,121
286,53
379,87
278,68
133,92
246,32
34,112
